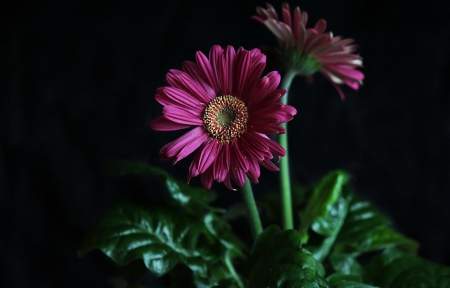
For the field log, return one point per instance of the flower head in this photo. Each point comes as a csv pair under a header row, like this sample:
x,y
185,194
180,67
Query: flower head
x,y
230,110
308,50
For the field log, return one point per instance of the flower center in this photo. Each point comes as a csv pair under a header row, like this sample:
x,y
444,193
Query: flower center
x,y
225,118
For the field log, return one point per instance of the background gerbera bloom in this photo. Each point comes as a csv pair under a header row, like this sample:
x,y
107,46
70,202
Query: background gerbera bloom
x,y
308,50
230,109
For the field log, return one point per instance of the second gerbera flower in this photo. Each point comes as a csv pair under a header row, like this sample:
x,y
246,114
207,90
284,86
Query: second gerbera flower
x,y
231,110
308,50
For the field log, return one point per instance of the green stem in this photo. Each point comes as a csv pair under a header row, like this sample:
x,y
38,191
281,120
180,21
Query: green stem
x,y
253,215
285,178
233,272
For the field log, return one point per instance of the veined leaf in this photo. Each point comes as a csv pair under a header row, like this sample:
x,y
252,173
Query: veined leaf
x,y
278,260
179,192
395,269
325,193
366,229
339,280
329,226
346,264
158,236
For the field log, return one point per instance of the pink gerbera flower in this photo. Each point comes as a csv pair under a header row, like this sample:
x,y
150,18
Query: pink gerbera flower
x,y
308,50
231,110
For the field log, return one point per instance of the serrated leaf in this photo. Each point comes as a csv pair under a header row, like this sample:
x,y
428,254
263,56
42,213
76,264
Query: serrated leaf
x,y
346,264
329,226
339,280
179,192
129,274
407,270
279,261
333,221
157,236
366,229
378,262
222,231
325,193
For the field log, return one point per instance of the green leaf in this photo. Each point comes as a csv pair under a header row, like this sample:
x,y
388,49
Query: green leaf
x,y
222,232
278,260
366,229
179,192
329,226
157,236
339,280
346,264
406,270
325,193
129,274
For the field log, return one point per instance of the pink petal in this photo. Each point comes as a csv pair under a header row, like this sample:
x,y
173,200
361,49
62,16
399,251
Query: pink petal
x,y
281,31
271,11
215,55
254,171
268,128
208,154
194,88
296,24
252,151
195,72
327,75
301,36
252,81
325,50
181,116
287,16
345,72
207,70
174,96
263,90
163,124
241,73
229,65
184,145
237,155
320,26
259,19
222,164
315,42
207,179
227,183
237,175
269,165
183,81
266,100
193,168
304,18
353,84
276,148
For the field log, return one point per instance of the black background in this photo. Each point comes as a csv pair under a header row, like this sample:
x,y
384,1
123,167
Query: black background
x,y
77,90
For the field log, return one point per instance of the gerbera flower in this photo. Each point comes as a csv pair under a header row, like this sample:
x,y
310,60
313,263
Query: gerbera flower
x,y
308,50
230,109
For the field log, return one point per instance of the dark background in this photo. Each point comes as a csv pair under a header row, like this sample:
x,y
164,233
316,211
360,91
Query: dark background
x,y
77,90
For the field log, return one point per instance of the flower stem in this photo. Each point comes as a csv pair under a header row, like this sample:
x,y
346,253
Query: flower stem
x,y
253,215
285,178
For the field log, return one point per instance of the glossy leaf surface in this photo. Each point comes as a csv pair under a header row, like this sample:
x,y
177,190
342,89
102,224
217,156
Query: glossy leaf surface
x,y
278,260
178,191
325,193
366,229
406,270
158,236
